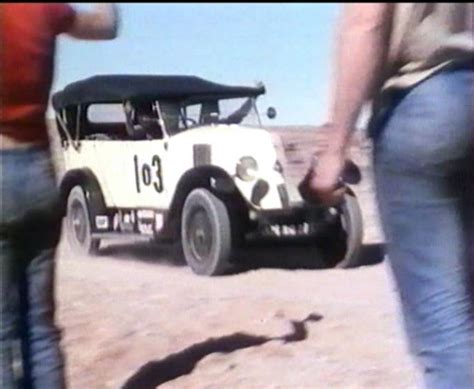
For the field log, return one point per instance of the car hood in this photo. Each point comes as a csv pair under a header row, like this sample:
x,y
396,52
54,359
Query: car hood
x,y
229,134
229,143
223,146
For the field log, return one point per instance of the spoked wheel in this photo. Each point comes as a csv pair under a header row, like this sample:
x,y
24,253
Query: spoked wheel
x,y
78,229
206,233
344,238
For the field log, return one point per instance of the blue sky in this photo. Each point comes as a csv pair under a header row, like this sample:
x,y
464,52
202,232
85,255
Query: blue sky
x,y
287,46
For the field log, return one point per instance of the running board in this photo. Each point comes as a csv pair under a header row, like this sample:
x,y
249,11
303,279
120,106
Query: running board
x,y
113,235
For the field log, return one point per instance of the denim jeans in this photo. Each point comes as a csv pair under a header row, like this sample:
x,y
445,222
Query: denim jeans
x,y
30,224
424,174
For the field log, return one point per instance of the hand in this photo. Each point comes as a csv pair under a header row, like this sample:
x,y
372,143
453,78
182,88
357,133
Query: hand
x,y
99,23
322,182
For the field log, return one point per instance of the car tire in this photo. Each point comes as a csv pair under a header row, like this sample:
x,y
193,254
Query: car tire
x,y
345,240
206,233
78,226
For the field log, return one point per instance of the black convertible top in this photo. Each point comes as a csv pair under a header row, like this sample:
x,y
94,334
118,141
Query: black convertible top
x,y
119,88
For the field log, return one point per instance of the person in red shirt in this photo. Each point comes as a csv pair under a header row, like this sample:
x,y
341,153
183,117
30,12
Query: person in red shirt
x,y
30,216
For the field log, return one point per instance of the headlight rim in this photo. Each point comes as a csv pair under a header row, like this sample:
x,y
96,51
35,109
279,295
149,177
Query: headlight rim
x,y
244,165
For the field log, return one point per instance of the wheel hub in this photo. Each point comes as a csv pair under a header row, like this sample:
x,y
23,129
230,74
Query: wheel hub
x,y
78,219
200,235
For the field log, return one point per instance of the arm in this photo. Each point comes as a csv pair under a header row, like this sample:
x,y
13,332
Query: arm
x,y
100,23
239,115
360,55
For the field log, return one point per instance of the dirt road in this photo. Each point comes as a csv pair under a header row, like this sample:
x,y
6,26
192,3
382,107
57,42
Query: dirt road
x,y
135,316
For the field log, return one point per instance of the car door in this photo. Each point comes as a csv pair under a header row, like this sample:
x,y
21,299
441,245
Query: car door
x,y
133,172
130,171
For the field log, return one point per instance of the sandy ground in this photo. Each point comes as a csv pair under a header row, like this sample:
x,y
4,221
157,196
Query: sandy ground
x,y
135,317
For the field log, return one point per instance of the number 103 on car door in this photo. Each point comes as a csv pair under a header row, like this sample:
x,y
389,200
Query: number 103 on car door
x,y
148,174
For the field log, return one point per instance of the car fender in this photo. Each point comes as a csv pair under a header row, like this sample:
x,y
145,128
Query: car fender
x,y
210,177
89,183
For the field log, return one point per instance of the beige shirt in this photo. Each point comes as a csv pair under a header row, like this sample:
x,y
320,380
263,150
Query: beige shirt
x,y
425,38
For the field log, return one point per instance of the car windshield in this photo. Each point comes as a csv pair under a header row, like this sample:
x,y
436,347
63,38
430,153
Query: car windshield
x,y
179,116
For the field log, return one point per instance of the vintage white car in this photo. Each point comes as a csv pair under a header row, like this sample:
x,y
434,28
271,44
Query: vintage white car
x,y
183,158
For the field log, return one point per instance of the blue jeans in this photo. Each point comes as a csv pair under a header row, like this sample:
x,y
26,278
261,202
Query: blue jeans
x,y
423,160
30,224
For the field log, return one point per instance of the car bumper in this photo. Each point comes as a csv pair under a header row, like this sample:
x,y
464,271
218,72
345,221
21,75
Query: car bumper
x,y
298,220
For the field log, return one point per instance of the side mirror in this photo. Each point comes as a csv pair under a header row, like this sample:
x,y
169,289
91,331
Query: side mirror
x,y
271,113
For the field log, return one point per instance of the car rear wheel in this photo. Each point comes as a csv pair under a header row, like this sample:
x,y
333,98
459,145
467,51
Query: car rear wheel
x,y
206,233
78,227
344,239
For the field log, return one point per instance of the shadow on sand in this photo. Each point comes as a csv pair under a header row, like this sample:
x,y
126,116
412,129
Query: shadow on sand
x,y
258,255
298,256
183,362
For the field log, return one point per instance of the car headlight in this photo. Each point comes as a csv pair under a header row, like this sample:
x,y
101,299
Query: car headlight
x,y
247,168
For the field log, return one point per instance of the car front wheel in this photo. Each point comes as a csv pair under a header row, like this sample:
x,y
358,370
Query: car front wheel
x,y
206,233
78,228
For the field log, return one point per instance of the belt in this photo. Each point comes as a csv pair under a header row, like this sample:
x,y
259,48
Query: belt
x,y
8,143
